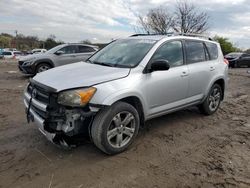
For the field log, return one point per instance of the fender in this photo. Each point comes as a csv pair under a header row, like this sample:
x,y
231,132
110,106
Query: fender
x,y
44,60
124,94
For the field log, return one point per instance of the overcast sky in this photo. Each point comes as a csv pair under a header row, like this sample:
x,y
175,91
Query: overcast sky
x,y
102,20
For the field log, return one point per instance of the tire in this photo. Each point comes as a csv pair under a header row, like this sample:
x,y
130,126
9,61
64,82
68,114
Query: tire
x,y
42,67
212,101
107,121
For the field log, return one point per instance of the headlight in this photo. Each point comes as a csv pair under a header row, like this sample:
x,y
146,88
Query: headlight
x,y
78,97
28,62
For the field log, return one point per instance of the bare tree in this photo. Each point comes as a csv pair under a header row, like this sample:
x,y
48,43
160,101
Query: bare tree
x,y
188,19
157,21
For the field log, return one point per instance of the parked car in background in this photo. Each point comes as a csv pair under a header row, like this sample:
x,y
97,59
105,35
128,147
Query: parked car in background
x,y
124,84
35,51
1,53
17,54
12,54
60,55
238,59
8,55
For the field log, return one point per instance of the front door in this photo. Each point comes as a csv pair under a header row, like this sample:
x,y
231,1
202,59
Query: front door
x,y
167,89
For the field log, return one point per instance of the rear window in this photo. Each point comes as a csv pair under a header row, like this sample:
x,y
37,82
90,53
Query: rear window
x,y
212,50
7,53
195,51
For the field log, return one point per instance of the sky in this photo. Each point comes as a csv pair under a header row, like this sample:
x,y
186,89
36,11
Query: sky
x,y
104,20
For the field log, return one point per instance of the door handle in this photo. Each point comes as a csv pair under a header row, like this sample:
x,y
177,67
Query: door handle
x,y
184,73
212,68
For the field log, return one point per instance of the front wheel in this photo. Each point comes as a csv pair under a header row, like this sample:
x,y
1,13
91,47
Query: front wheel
x,y
212,101
42,67
115,128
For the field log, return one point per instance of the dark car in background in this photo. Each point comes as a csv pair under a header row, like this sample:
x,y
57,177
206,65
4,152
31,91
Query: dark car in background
x,y
238,59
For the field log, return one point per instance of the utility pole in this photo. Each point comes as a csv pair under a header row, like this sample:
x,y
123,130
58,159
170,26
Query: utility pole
x,y
16,32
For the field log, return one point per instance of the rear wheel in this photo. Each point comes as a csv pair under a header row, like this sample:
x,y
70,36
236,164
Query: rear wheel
x,y
212,102
115,128
43,67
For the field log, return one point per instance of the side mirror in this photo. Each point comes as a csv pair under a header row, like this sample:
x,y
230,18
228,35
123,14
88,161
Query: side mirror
x,y
59,52
158,65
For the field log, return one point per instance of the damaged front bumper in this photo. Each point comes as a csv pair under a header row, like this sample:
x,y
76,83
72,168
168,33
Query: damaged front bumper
x,y
58,123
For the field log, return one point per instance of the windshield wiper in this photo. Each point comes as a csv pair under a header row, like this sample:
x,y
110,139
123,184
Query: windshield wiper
x,y
104,64
89,61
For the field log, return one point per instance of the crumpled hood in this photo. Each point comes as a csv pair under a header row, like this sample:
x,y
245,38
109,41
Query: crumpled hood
x,y
79,75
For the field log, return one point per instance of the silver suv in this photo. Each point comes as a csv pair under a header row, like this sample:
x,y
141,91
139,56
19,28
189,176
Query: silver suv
x,y
60,55
112,94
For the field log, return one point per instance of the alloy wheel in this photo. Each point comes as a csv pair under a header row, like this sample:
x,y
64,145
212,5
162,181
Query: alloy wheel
x,y
121,129
214,99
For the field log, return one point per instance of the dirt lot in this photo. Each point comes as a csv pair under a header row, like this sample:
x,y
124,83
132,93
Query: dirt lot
x,y
183,149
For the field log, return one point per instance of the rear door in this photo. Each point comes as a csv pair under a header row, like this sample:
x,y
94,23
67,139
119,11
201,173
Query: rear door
x,y
200,68
84,52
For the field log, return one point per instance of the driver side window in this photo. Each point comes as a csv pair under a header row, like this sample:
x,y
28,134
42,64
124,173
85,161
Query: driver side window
x,y
171,52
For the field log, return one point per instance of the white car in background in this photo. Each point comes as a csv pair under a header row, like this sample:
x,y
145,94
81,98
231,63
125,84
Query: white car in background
x,y
36,51
17,54
11,54
8,55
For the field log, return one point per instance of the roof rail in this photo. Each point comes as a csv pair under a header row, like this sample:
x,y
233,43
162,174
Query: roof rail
x,y
175,34
195,35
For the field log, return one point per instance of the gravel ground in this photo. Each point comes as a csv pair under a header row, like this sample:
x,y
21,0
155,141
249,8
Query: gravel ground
x,y
183,149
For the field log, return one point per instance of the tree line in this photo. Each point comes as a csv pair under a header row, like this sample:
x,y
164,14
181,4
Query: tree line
x,y
25,43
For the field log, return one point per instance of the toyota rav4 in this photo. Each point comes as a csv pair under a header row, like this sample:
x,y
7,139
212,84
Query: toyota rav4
x,y
131,80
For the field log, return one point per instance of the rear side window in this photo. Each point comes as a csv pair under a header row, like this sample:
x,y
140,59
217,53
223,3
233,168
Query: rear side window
x,y
246,55
195,52
85,49
212,50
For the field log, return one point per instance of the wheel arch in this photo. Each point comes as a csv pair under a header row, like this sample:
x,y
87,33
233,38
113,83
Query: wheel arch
x,y
137,104
47,61
131,98
221,82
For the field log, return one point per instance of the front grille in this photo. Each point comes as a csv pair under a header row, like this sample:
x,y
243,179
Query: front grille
x,y
40,112
41,94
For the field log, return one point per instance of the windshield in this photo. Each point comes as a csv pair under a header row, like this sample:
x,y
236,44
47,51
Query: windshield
x,y
233,55
123,53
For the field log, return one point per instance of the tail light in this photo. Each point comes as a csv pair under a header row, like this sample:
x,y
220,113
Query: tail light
x,y
226,61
